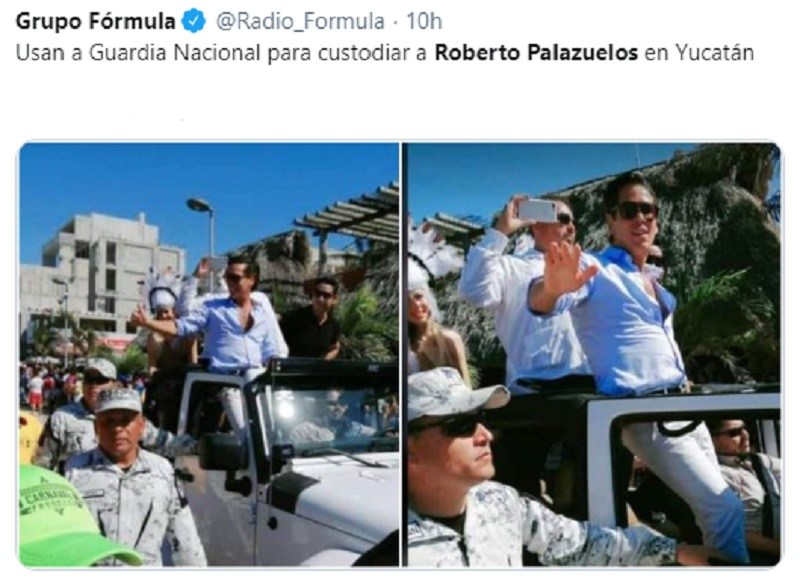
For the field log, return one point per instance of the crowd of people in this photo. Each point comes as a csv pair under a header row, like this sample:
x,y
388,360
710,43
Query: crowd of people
x,y
568,319
599,322
98,437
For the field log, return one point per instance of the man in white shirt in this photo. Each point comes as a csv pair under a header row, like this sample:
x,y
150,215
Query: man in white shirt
x,y
539,352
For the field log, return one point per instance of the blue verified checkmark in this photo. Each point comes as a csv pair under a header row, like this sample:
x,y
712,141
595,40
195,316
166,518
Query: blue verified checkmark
x,y
193,20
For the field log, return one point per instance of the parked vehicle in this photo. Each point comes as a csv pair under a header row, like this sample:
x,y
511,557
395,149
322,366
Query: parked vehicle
x,y
315,480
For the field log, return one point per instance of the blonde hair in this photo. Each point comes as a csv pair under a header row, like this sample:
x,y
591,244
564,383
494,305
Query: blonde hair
x,y
431,347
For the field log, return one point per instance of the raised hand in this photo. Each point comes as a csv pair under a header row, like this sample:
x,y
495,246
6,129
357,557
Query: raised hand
x,y
139,316
203,268
509,221
562,273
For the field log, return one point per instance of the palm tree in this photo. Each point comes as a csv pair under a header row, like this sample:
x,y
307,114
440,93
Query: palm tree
x,y
367,331
726,331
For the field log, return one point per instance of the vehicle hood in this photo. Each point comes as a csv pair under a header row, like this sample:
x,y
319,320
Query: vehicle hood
x,y
347,495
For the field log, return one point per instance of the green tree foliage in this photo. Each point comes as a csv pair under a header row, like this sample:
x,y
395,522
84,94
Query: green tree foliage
x,y
725,331
368,331
133,360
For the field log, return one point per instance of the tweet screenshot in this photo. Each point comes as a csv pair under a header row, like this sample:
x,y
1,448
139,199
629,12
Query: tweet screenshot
x,y
315,285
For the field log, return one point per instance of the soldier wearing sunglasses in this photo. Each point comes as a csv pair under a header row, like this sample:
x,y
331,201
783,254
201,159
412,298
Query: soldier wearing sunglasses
x,y
756,479
458,518
70,430
623,319
538,352
312,331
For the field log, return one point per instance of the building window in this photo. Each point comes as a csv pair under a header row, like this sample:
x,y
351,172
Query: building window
x,y
111,280
110,305
82,249
111,253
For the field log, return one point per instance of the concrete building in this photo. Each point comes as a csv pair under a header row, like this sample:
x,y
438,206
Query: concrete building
x,y
102,259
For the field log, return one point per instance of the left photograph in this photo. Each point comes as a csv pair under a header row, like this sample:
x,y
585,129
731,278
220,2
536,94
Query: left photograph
x,y
208,354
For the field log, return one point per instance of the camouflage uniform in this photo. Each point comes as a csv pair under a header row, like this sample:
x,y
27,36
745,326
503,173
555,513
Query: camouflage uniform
x,y
70,430
499,524
139,507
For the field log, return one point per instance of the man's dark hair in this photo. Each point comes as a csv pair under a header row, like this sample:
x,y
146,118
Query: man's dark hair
x,y
611,194
329,281
715,425
251,269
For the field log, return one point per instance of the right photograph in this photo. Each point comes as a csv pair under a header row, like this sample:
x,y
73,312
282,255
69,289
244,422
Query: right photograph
x,y
593,354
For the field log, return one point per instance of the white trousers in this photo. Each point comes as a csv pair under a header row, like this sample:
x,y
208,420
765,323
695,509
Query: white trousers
x,y
231,399
688,465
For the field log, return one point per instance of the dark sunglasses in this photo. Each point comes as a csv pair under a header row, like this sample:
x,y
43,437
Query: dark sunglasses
x,y
235,278
323,294
734,432
564,219
457,426
655,261
628,210
95,380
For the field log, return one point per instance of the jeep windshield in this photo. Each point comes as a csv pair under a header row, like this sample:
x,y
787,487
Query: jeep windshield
x,y
318,420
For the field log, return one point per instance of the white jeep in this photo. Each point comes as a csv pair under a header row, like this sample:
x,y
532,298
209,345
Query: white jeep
x,y
587,473
317,480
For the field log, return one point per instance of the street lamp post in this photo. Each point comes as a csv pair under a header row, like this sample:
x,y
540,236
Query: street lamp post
x,y
201,205
65,298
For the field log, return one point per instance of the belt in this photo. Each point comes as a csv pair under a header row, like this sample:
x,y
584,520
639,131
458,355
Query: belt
x,y
675,390
561,385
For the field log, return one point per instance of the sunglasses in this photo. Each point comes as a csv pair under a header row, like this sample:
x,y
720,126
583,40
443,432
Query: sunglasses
x,y
323,294
734,432
235,278
628,210
457,426
655,261
564,219
95,380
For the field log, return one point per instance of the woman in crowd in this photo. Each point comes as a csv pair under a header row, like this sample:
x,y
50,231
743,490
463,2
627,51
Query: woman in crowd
x,y
167,358
430,344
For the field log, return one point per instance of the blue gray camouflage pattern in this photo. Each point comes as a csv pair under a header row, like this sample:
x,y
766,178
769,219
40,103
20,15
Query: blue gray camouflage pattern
x,y
442,391
70,430
140,507
500,523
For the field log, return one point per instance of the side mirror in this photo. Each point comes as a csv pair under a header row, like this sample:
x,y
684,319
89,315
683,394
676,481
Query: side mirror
x,y
221,452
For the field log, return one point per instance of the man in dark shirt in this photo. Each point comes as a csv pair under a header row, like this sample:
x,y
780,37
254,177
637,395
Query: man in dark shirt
x,y
312,331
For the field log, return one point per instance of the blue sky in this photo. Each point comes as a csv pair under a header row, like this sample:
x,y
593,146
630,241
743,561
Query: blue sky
x,y
256,189
477,179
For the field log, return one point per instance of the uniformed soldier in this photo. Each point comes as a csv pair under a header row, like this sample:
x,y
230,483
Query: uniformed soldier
x,y
458,518
70,429
132,493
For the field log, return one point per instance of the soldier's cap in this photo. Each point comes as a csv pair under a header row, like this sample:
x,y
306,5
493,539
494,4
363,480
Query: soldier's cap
x,y
56,529
101,366
118,398
442,391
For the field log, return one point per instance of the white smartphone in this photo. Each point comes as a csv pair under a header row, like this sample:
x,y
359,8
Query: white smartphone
x,y
538,210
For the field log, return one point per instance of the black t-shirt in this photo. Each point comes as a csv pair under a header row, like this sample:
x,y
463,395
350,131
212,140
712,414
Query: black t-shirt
x,y
305,336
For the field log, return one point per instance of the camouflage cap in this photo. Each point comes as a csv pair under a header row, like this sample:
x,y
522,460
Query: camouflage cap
x,y
103,367
442,391
126,399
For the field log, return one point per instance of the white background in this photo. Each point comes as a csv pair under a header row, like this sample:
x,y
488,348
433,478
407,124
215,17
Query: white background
x,y
670,101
